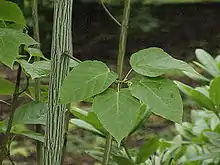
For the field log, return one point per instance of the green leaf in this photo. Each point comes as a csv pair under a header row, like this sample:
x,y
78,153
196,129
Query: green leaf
x,y
96,154
35,52
161,95
180,152
208,62
147,149
199,97
120,160
6,87
116,111
32,135
153,62
84,125
10,41
88,117
213,137
3,126
143,114
204,90
184,130
211,155
22,130
87,79
37,69
215,91
217,59
30,113
11,12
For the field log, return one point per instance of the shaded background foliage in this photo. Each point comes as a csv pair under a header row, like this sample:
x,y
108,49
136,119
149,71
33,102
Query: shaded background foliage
x,y
178,28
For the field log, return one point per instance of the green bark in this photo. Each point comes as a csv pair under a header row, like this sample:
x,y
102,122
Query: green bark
x,y
61,43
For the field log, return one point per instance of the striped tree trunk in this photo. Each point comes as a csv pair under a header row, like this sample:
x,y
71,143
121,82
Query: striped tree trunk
x,y
61,44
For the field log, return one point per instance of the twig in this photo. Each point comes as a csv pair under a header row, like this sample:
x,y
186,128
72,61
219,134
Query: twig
x,y
26,87
109,13
126,77
14,99
73,58
13,107
5,102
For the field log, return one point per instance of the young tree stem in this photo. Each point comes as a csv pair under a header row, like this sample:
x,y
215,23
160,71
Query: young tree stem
x,y
36,36
120,63
6,147
55,129
123,38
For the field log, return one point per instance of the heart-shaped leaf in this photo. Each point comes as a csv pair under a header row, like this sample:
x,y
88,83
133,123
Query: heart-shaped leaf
x,y
10,41
11,12
153,62
87,79
30,113
161,95
117,111
6,87
37,69
35,52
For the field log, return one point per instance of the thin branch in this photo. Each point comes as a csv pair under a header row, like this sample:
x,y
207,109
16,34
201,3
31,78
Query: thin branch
x,y
126,77
26,87
109,13
28,95
13,104
73,58
13,107
37,80
5,102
